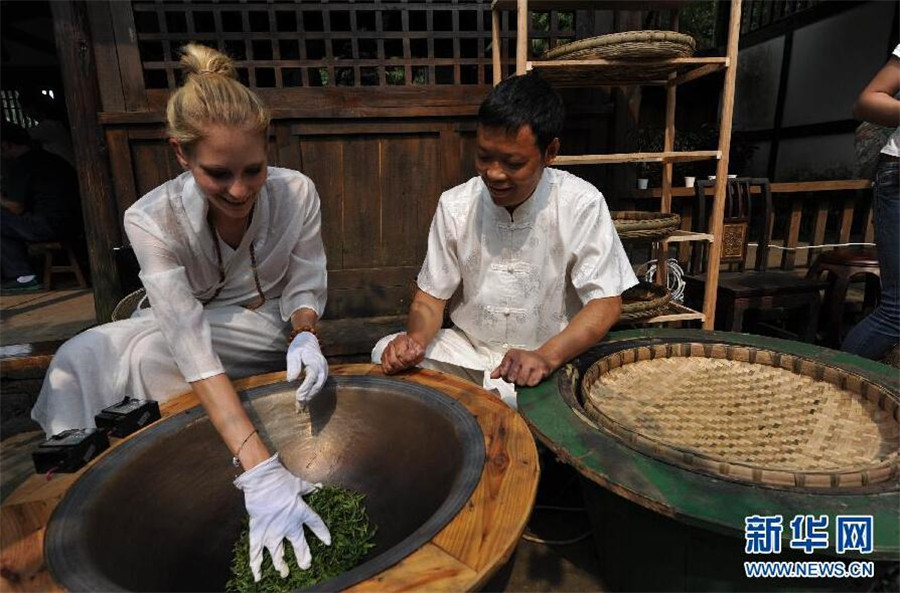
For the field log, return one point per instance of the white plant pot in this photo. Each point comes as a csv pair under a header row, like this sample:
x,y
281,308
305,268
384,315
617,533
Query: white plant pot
x,y
643,183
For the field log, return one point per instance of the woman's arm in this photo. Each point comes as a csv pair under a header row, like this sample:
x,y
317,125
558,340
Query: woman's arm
x,y
181,320
227,414
876,104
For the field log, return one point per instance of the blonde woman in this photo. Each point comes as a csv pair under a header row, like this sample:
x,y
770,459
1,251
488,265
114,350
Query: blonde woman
x,y
233,264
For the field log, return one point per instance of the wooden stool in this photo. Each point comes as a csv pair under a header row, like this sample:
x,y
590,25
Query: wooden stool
x,y
48,249
842,265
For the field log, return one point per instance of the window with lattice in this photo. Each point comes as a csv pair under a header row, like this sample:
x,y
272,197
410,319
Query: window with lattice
x,y
345,44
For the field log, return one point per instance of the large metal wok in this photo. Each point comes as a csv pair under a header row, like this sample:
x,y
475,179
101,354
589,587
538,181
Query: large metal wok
x,y
160,512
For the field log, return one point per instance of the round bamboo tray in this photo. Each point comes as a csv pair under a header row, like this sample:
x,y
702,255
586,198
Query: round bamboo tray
x,y
643,300
633,46
747,414
702,503
628,45
648,226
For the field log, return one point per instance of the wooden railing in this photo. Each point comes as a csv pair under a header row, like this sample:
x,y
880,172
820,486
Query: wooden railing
x,y
832,205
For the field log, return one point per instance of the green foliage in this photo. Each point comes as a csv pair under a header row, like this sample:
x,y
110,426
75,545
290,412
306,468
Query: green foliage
x,y
344,513
539,46
540,21
394,75
698,19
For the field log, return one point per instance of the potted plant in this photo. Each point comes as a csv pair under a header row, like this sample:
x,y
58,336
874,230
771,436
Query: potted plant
x,y
648,140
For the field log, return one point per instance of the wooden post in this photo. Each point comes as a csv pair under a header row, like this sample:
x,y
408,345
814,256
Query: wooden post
x,y
715,250
521,36
79,74
662,254
495,46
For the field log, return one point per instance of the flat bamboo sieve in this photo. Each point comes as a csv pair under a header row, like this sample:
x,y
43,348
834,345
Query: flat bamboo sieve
x,y
643,51
747,414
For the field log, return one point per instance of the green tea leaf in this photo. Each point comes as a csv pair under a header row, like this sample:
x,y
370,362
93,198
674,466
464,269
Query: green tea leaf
x,y
345,516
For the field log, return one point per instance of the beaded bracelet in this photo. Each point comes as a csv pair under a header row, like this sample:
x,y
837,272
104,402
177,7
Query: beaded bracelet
x,y
300,330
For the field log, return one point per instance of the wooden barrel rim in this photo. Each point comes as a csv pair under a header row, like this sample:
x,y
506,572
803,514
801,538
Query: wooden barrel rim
x,y
495,516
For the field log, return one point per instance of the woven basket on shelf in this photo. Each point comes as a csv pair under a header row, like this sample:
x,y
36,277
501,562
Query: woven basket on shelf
x,y
643,300
747,414
631,224
633,46
628,45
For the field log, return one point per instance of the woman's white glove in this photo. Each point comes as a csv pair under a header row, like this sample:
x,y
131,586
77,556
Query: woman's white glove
x,y
303,353
272,496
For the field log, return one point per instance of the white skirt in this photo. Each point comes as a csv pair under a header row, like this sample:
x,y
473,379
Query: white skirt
x,y
100,366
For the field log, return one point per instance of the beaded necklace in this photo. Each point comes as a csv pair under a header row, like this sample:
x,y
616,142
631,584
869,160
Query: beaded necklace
x,y
259,290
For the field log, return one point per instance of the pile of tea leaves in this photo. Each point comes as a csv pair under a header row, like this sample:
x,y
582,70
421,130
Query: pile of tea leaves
x,y
345,516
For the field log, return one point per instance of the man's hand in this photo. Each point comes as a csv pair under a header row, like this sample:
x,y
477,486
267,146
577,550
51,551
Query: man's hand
x,y
401,353
523,368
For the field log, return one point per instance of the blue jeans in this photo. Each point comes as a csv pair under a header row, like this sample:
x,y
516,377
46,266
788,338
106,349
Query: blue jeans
x,y
874,335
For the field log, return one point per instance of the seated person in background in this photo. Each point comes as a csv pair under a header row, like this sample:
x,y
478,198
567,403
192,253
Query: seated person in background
x,y
529,254
232,260
52,132
39,203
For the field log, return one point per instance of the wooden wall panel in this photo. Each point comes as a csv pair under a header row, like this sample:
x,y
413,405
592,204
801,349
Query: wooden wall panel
x,y
379,184
362,202
410,186
322,162
468,148
370,292
154,164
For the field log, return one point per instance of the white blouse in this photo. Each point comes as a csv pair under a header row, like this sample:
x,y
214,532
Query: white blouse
x,y
523,277
173,241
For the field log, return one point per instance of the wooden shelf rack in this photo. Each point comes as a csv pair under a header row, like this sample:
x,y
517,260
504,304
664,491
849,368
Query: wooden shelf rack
x,y
670,73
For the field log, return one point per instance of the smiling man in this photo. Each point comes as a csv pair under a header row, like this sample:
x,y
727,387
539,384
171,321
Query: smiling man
x,y
527,257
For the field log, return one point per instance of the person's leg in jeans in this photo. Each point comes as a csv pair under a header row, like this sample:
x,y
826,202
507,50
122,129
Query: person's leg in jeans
x,y
16,231
880,331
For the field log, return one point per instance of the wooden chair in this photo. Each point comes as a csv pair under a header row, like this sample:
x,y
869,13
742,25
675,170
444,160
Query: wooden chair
x,y
48,249
740,290
841,266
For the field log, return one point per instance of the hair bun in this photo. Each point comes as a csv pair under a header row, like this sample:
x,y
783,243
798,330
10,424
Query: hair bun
x,y
197,59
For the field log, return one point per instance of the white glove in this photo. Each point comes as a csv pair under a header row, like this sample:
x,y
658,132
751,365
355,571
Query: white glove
x,y
304,352
272,496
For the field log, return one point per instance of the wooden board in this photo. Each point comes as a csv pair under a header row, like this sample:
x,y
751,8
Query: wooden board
x,y
461,557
